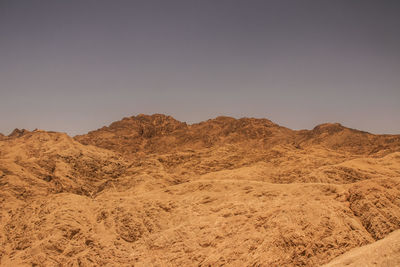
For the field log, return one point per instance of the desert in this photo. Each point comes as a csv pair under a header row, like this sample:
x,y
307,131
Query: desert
x,y
200,133
149,190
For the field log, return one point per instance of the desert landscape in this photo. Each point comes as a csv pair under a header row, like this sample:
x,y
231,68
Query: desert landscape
x,y
199,133
150,190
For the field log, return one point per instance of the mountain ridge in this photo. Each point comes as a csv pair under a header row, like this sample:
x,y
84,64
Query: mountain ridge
x,y
230,130
150,190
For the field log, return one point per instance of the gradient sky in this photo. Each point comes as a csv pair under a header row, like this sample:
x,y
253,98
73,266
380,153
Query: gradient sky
x,y
74,66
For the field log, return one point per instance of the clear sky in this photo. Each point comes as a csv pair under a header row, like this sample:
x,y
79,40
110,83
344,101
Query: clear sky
x,y
76,65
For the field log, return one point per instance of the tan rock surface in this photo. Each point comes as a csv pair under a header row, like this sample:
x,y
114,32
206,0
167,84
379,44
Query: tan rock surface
x,y
153,191
385,252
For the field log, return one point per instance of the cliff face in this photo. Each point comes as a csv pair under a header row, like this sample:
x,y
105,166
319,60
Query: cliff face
x,y
150,190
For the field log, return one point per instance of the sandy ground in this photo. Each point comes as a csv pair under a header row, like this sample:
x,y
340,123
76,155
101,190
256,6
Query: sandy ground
x,y
153,191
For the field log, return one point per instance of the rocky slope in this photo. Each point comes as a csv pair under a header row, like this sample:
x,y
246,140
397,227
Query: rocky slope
x,y
153,191
384,252
159,133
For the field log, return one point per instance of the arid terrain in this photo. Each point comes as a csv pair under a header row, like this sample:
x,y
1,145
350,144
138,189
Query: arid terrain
x,y
153,191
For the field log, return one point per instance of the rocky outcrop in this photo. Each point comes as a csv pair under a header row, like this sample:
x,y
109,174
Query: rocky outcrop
x,y
18,133
150,190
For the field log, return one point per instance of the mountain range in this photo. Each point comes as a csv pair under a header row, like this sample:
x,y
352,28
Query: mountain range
x,y
150,190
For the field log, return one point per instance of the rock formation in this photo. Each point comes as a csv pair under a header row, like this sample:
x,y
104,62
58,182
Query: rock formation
x,y
150,190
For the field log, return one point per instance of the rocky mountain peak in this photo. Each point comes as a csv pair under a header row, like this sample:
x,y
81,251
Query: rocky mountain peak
x,y
18,132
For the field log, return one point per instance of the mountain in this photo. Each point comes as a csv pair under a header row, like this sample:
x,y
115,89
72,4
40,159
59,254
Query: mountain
x,y
18,133
337,137
160,133
151,190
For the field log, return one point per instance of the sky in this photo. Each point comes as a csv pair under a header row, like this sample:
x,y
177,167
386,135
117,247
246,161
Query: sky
x,y
77,65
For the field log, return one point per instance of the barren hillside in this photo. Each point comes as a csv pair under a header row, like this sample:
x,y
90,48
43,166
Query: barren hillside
x,y
153,191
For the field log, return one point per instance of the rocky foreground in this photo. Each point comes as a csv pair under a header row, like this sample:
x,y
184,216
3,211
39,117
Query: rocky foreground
x,y
153,191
